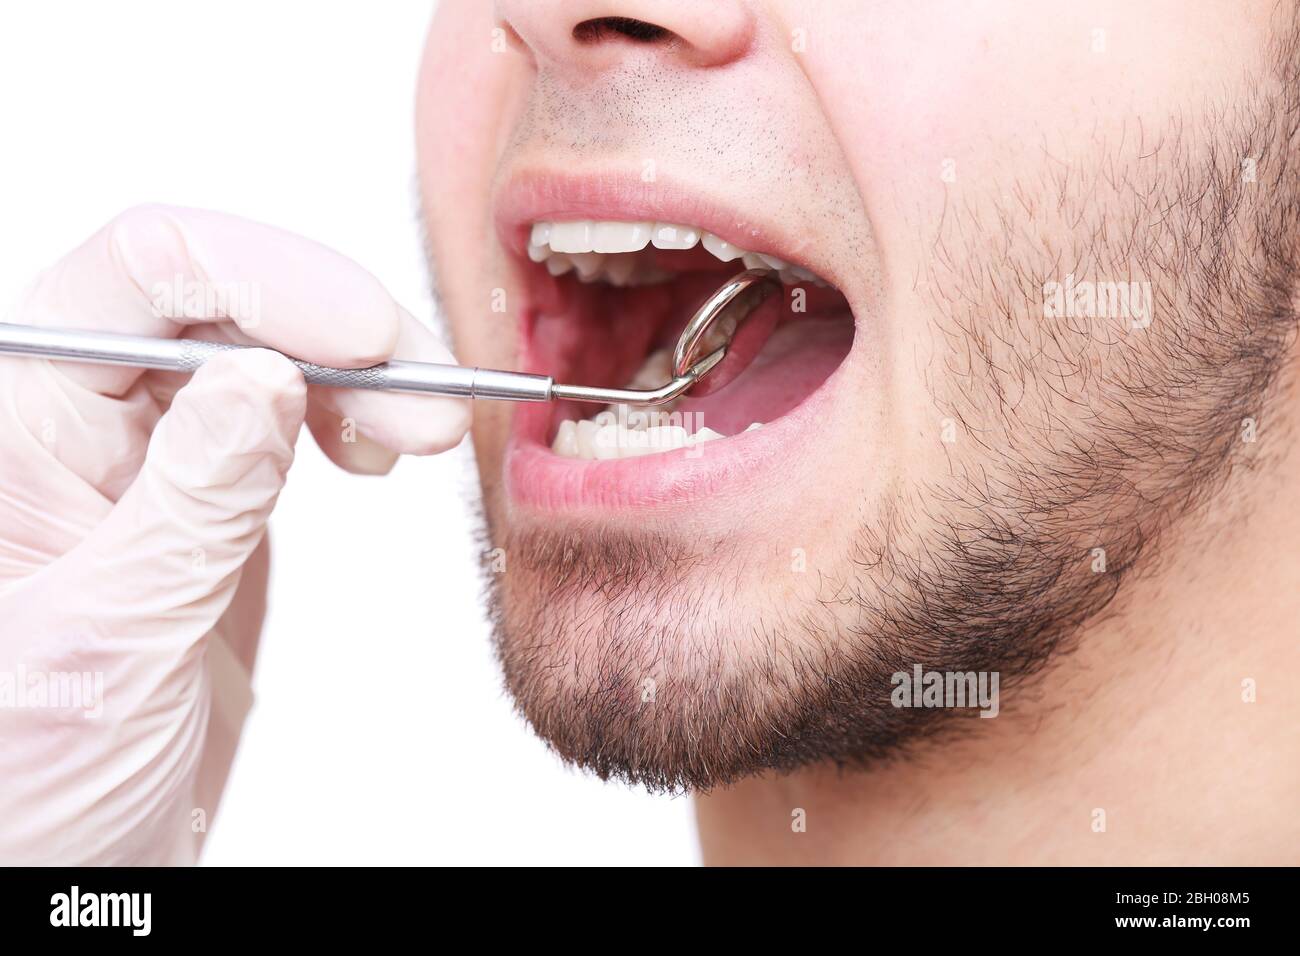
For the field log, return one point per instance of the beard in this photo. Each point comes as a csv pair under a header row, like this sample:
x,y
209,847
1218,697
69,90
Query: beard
x,y
1077,437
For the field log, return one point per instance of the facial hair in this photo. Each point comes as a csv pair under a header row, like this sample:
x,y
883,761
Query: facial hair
x,y
1076,432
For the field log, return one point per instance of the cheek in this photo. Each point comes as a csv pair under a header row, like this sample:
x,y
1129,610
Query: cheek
x,y
936,102
464,87
944,110
459,80
490,432
463,84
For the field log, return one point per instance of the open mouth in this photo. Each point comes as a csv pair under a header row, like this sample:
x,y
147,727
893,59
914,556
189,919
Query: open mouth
x,y
629,288
608,301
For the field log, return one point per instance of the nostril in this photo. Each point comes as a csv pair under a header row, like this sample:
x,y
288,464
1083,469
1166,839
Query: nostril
x,y
602,28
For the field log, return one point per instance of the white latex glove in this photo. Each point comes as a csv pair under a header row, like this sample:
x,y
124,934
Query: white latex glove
x,y
133,518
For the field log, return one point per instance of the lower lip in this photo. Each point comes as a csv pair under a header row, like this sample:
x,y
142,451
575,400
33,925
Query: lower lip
x,y
537,478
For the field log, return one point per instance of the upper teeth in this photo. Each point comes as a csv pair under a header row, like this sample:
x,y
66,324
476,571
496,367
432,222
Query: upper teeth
x,y
613,252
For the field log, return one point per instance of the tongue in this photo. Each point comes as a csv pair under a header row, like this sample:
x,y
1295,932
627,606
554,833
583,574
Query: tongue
x,y
794,361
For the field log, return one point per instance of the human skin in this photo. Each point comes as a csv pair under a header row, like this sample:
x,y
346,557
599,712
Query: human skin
x,y
974,452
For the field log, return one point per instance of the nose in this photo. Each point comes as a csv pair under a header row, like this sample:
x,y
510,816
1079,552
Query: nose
x,y
592,35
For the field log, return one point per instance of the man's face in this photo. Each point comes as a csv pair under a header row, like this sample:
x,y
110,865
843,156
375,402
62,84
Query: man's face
x,y
1057,242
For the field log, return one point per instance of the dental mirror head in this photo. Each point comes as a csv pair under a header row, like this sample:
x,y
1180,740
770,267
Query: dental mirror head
x,y
732,324
716,345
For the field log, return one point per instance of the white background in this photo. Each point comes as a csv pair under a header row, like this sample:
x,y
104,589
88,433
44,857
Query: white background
x,y
381,733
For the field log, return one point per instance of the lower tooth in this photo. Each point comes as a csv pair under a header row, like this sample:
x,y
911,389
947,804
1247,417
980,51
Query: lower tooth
x,y
654,371
586,438
566,440
625,443
665,438
636,419
609,437
609,441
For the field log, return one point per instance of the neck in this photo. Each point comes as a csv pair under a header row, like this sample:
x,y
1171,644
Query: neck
x,y
1168,737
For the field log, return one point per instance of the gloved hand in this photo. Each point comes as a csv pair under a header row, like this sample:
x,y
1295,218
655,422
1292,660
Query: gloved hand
x,y
133,549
